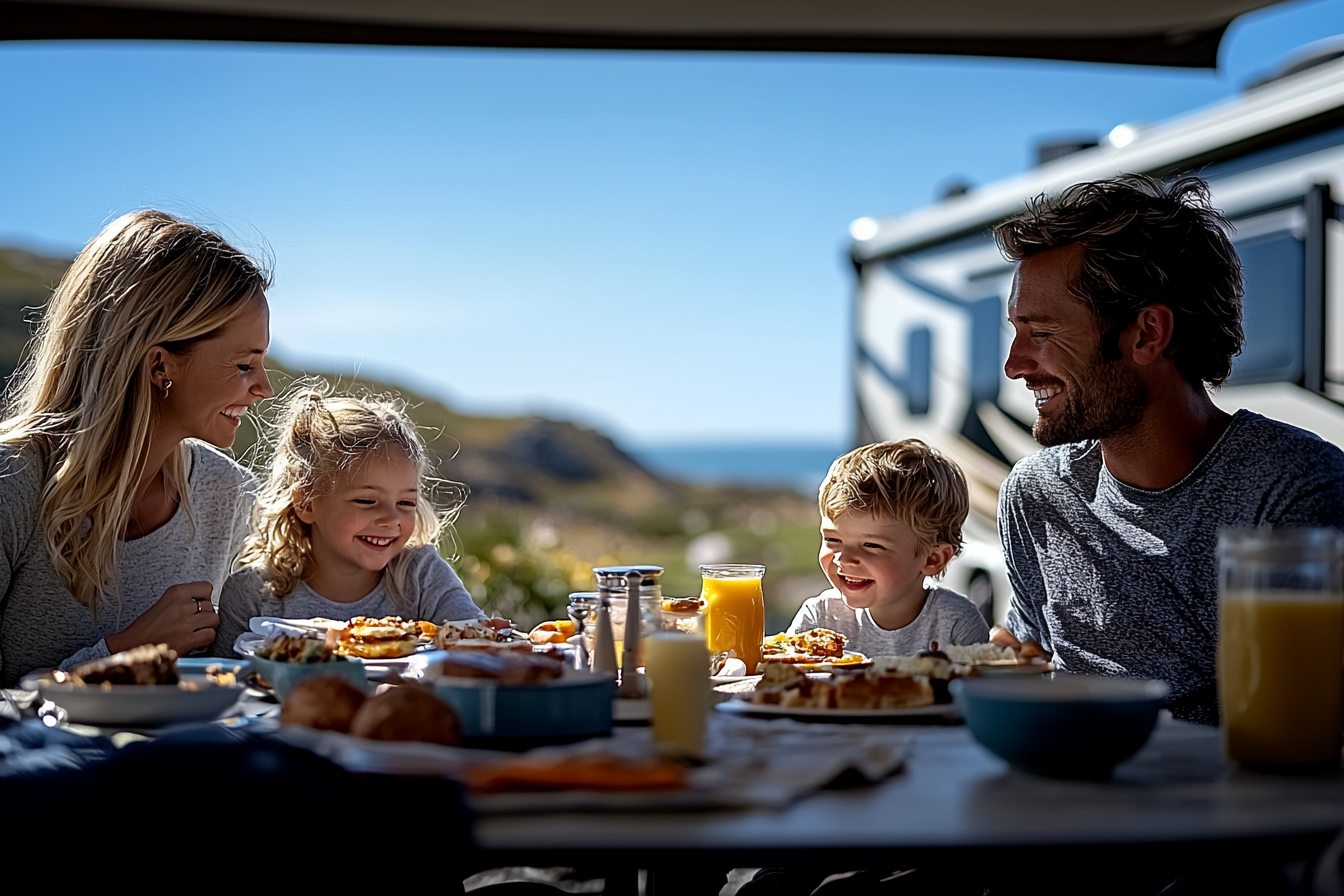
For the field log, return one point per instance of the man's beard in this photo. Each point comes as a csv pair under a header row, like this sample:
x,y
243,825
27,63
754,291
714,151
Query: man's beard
x,y
1103,400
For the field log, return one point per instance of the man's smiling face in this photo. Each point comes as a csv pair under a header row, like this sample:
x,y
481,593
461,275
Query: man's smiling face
x,y
1057,352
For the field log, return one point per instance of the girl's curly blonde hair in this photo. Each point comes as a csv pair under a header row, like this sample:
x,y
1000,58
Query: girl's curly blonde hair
x,y
318,435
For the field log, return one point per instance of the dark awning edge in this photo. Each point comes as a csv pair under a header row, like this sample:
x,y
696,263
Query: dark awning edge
x,y
60,21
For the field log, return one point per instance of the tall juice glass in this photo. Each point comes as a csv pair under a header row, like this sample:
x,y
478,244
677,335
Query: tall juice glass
x,y
1281,645
734,610
677,667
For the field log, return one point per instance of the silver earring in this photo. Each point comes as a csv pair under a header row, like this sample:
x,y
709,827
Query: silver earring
x,y
167,384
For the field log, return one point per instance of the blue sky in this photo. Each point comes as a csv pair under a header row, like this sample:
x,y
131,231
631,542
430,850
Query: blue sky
x,y
648,243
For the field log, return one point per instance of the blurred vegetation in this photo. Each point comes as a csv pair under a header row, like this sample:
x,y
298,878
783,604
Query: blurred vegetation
x,y
549,500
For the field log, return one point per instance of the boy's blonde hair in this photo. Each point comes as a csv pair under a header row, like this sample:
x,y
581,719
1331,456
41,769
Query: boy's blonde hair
x,y
83,400
906,481
318,436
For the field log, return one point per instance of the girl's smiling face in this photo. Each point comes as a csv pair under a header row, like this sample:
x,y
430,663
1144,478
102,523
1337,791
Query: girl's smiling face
x,y
877,563
361,524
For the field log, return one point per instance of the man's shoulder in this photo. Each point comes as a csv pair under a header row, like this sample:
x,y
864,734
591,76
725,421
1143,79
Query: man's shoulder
x,y
1050,466
1260,439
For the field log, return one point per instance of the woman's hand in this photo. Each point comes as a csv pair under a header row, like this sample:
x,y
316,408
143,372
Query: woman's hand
x,y
1004,638
183,619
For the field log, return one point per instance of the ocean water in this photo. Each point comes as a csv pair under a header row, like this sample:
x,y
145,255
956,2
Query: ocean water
x,y
801,466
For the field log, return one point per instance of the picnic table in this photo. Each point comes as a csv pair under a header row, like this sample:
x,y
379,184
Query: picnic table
x,y
1178,804
1177,807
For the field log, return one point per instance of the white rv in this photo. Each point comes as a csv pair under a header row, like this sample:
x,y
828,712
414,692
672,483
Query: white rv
x,y
930,327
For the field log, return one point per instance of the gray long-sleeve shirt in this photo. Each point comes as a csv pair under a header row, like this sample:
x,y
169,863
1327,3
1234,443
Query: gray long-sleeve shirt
x,y
946,617
1118,580
42,626
434,593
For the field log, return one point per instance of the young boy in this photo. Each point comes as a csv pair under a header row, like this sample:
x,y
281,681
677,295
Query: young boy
x,y
891,516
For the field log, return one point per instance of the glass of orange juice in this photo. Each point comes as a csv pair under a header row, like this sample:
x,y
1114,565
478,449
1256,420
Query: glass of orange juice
x,y
734,610
1281,645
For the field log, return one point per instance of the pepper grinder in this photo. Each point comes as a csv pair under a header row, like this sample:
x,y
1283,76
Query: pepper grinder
x,y
604,644
632,680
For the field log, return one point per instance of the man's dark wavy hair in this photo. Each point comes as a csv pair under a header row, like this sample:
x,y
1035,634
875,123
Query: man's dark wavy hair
x,y
1144,243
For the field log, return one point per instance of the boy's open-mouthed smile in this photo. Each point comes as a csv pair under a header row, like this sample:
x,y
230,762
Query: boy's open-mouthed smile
x,y
877,564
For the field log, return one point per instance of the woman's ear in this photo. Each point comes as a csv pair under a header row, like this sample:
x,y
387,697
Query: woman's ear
x,y
162,366
303,507
936,560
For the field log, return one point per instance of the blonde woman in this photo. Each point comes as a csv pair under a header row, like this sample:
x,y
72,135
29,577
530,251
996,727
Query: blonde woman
x,y
345,526
119,515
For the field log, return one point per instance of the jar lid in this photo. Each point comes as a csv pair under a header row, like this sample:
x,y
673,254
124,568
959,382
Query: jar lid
x,y
615,575
584,597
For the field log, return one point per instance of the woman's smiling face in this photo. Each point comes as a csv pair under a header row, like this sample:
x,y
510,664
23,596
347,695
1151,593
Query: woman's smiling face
x,y
214,383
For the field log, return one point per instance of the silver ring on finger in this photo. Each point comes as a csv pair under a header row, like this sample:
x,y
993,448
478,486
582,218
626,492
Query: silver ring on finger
x,y
198,604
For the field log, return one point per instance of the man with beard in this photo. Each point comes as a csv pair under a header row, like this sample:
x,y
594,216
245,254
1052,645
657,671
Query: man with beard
x,y
1126,309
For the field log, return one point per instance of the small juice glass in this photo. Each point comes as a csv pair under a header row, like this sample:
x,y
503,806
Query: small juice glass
x,y
734,610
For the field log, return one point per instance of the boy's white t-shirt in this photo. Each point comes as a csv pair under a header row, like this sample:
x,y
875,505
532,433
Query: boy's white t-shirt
x,y
947,617
434,593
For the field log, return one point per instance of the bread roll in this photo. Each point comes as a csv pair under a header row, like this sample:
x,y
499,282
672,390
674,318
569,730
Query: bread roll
x,y
407,713
324,702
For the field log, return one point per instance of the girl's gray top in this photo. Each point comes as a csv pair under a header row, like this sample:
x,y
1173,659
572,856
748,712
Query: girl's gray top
x,y
947,618
434,594
42,625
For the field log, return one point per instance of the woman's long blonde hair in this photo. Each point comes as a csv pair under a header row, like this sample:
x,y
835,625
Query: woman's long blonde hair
x,y
317,436
83,398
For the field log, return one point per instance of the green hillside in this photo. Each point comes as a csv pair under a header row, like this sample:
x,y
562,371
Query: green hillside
x,y
548,499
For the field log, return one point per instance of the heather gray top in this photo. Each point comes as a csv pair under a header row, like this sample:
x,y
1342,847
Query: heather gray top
x,y
947,618
434,594
1118,580
43,626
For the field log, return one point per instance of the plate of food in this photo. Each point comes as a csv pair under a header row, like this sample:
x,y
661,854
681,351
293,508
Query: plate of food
x,y
141,688
818,649
912,689
992,659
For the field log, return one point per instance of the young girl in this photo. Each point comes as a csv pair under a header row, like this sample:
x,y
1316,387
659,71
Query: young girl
x,y
343,527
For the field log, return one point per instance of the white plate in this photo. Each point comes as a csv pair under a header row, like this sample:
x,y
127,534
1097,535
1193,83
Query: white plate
x,y
811,714
142,706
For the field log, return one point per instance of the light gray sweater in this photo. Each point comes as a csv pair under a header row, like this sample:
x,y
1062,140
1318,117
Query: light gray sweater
x,y
947,618
434,593
42,626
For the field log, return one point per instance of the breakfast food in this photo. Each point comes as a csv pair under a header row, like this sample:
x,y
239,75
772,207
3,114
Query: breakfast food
x,y
818,645
326,703
784,685
503,667
556,632
407,713
289,649
476,636
147,664
681,605
375,639
605,773
996,655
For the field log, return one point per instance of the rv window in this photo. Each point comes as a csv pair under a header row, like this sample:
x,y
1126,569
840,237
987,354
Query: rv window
x,y
1272,309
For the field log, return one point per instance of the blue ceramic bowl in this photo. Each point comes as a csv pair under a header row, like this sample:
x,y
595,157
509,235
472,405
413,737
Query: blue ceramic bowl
x,y
283,676
1069,726
568,709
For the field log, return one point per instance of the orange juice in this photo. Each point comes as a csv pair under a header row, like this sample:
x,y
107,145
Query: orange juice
x,y
678,673
734,616
1281,676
